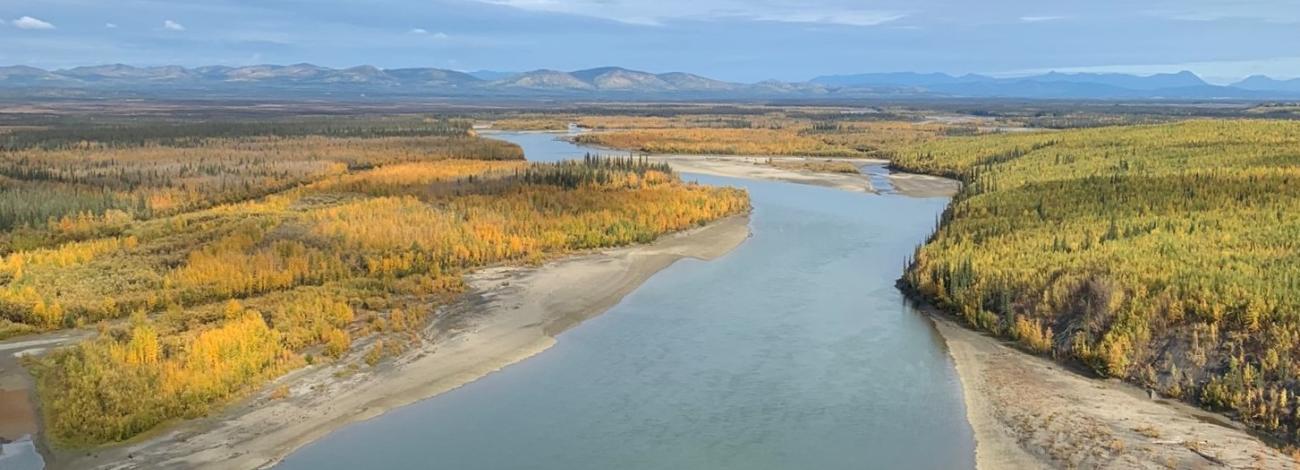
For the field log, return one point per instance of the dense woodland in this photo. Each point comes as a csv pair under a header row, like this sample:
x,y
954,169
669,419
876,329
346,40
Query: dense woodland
x,y
214,257
1166,255
59,185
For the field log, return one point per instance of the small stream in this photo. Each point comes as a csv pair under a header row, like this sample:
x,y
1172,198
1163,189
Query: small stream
x,y
879,175
795,351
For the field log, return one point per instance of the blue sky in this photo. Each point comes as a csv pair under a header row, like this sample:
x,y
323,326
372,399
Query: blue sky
x,y
743,40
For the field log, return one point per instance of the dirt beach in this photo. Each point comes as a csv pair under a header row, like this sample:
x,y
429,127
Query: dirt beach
x,y
1029,412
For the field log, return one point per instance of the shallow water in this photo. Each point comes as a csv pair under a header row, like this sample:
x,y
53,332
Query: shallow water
x,y
20,455
879,175
793,351
546,146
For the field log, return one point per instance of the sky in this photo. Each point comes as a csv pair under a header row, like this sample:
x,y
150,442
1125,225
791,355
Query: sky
x,y
739,40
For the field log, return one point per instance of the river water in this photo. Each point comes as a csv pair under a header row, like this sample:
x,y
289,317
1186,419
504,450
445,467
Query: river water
x,y
795,351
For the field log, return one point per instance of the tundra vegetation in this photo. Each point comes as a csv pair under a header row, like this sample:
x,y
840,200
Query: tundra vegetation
x,y
212,257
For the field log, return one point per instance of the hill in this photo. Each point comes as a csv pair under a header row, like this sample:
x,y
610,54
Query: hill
x,y
308,80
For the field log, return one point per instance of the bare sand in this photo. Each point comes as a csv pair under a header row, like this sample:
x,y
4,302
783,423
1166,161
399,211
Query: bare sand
x,y
915,185
754,168
510,314
757,167
1029,412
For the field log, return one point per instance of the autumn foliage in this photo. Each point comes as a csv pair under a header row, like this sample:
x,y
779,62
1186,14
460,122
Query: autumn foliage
x,y
1166,255
241,257
771,135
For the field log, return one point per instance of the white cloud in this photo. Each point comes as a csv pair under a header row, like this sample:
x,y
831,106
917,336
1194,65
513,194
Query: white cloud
x,y
173,26
110,25
1039,19
856,18
425,32
1284,12
657,12
28,22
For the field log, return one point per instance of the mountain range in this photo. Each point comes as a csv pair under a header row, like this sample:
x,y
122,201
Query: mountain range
x,y
608,83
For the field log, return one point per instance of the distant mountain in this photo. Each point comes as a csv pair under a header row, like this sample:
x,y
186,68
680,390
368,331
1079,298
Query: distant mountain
x,y
619,80
21,75
545,80
1181,85
308,80
692,82
774,87
1160,81
898,79
491,75
119,72
262,73
363,74
434,77
1263,83
924,80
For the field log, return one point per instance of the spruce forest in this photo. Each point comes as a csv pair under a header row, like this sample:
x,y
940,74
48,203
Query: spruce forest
x,y
1166,255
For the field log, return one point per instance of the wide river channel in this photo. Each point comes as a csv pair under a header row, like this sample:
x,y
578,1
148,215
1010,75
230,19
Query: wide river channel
x,y
795,351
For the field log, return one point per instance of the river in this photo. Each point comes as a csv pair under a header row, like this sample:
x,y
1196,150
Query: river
x,y
793,351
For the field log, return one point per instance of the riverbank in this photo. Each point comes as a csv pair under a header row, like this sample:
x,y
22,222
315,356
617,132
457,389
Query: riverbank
x,y
1030,412
757,167
509,314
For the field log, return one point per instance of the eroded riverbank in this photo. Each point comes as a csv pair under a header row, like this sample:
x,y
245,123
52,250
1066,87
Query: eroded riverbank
x,y
1029,412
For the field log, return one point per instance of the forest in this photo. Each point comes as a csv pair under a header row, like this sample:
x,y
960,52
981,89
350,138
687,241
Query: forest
x,y
1165,255
212,257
